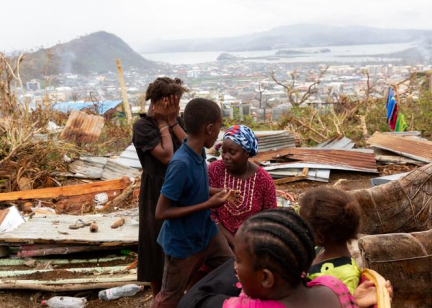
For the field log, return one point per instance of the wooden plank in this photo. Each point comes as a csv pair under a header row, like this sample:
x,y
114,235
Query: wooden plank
x,y
303,176
290,179
124,93
14,262
74,190
24,285
107,269
54,229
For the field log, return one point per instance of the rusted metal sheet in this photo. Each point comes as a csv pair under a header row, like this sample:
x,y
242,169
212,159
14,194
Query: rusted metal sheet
x,y
417,149
354,160
82,128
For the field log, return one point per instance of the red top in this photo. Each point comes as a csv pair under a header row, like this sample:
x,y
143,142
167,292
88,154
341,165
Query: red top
x,y
258,193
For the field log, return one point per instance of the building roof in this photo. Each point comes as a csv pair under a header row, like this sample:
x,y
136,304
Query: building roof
x,y
101,107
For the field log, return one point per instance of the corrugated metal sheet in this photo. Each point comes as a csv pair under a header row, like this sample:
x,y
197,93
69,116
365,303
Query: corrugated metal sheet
x,y
338,142
89,168
100,107
296,165
82,128
276,140
55,229
113,170
385,179
129,158
100,168
417,149
320,175
355,160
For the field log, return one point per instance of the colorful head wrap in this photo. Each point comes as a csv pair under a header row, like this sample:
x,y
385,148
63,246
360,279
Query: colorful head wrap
x,y
244,137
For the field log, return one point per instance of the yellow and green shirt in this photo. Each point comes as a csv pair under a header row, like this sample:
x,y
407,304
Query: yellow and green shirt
x,y
343,268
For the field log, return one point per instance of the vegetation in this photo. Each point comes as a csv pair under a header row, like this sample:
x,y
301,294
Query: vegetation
x,y
74,57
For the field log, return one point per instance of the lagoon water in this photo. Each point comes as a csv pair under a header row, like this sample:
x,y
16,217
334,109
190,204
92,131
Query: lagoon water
x,y
338,54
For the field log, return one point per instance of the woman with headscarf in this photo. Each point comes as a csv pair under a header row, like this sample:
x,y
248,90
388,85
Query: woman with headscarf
x,y
255,186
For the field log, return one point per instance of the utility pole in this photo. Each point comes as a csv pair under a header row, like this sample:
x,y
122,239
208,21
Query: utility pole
x,y
124,93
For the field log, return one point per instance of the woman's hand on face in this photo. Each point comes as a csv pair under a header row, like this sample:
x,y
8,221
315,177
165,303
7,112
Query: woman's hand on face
x,y
172,107
159,113
219,199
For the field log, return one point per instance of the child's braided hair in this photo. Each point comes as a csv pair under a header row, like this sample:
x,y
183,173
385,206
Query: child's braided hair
x,y
332,212
281,241
164,87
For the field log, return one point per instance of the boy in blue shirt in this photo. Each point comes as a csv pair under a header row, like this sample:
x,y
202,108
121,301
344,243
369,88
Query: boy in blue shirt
x,y
188,236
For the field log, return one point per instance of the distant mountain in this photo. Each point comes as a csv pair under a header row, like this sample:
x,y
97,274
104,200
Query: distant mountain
x,y
303,35
96,52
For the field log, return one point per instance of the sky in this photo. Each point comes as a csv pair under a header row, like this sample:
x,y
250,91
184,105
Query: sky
x,y
34,23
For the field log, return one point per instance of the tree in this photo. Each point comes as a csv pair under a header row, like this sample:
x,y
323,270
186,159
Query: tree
x,y
295,97
261,89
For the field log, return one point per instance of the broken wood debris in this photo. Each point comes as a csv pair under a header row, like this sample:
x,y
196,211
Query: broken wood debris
x,y
73,190
43,230
297,177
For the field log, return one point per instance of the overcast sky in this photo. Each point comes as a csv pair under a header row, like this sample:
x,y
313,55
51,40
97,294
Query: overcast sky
x,y
32,23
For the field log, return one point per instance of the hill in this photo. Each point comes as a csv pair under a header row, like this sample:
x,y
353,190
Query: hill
x,y
96,52
302,35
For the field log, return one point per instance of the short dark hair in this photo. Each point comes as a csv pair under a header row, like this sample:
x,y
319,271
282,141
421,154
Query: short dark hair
x,y
164,87
200,112
281,241
332,212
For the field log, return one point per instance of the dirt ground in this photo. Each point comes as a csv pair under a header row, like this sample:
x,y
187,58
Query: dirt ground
x,y
342,179
33,299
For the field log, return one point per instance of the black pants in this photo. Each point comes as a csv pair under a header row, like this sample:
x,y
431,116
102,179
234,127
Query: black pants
x,y
214,289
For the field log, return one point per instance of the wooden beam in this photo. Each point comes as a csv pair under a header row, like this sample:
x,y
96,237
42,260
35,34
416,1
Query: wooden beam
x,y
69,284
124,93
73,190
295,178
289,179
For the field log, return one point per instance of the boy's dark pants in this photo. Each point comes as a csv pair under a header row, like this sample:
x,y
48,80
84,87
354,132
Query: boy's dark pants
x,y
178,272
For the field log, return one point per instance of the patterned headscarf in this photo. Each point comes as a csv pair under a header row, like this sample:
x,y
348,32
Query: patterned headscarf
x,y
244,137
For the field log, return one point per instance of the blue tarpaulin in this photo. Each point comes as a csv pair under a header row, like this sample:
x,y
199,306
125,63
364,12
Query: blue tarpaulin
x,y
101,107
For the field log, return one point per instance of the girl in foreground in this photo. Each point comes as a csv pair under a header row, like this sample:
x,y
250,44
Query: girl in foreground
x,y
274,250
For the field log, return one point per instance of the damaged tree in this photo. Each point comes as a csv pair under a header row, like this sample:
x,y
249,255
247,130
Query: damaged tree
x,y
295,97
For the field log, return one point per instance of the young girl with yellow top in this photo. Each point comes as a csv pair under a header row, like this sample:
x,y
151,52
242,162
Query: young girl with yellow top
x,y
335,218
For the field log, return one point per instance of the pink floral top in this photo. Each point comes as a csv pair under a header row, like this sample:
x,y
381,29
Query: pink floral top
x,y
258,193
345,298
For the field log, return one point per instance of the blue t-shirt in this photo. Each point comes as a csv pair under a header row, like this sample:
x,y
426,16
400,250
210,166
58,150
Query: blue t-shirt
x,y
186,183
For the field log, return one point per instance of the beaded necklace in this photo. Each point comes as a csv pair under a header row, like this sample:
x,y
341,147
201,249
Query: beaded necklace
x,y
246,187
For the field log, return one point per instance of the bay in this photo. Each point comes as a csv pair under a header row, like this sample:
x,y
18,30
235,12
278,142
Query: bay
x,y
339,54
